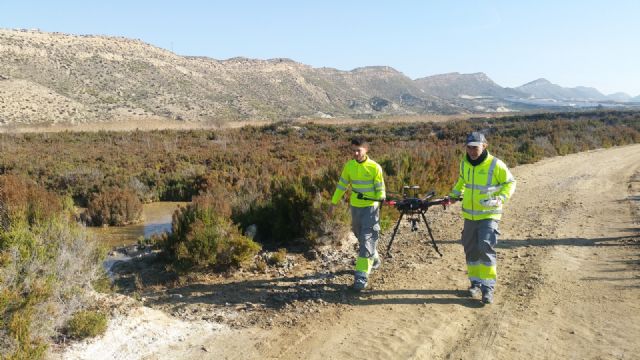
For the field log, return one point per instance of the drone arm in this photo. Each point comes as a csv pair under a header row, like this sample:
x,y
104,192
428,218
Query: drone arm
x,y
446,201
363,197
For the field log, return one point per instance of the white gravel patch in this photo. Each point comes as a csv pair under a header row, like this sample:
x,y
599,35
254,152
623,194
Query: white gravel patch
x,y
139,334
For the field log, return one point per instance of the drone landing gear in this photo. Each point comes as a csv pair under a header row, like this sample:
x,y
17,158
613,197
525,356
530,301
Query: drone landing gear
x,y
415,216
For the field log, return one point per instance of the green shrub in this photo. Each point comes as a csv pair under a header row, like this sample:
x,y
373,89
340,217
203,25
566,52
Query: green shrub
x,y
295,214
278,258
86,323
202,238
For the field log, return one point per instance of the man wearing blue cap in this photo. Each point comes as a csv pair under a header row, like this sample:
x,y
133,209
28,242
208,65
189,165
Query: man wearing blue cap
x,y
485,184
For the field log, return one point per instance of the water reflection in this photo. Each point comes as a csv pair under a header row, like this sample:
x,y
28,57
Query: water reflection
x,y
157,219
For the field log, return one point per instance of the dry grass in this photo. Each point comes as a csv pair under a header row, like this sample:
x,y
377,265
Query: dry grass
x,y
158,123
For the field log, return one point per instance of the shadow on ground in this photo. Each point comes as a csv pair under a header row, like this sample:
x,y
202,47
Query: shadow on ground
x,y
161,288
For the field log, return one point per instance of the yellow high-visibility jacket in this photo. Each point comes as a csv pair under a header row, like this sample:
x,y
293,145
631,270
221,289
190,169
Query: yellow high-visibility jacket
x,y
365,178
487,180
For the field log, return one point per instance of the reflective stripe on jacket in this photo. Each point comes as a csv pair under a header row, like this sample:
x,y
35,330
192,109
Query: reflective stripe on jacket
x,y
489,179
365,178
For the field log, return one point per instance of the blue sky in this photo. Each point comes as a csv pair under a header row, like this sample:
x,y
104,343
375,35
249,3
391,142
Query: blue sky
x,y
571,43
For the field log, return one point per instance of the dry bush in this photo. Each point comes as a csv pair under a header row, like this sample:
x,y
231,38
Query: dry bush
x,y
47,265
23,201
114,207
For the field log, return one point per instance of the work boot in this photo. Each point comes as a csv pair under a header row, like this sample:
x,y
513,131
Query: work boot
x,y
474,291
487,297
360,283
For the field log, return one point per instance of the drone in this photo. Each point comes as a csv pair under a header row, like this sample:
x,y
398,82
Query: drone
x,y
413,207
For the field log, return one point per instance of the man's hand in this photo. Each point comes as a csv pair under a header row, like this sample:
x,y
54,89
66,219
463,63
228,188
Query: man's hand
x,y
491,202
452,200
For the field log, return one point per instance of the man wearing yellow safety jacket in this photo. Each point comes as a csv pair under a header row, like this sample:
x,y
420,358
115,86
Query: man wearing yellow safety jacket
x,y
484,184
365,177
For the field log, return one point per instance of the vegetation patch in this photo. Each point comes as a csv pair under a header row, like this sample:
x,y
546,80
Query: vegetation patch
x,y
113,207
202,237
87,323
278,258
47,263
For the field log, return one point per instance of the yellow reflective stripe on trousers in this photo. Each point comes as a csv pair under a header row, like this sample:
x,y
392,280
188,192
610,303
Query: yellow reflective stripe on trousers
x,y
482,272
364,264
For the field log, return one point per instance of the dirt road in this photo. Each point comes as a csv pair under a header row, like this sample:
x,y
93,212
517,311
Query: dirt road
x,y
568,284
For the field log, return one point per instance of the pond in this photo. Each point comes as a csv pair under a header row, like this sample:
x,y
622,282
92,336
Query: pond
x,y
156,219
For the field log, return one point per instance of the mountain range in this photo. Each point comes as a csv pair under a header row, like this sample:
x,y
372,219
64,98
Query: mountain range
x,y
543,88
48,78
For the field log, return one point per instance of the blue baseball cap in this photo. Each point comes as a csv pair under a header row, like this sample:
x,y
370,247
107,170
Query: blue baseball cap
x,y
476,139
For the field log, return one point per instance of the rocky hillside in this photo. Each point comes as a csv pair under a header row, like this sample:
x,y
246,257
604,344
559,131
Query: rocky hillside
x,y
52,78
456,85
544,89
619,96
49,78
476,92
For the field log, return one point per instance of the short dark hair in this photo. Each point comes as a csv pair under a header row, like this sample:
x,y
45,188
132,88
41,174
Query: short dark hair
x,y
359,141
